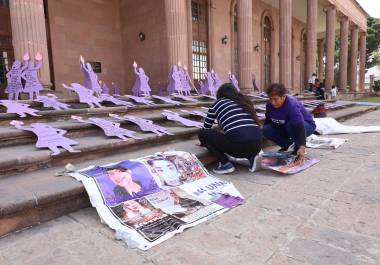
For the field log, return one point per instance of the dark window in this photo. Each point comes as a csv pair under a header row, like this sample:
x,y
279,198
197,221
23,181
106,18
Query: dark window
x,y
198,11
4,3
4,66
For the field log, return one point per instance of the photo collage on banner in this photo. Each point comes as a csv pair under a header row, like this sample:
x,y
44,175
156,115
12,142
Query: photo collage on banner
x,y
148,200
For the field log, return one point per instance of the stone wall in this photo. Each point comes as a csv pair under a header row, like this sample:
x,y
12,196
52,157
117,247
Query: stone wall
x,y
90,28
148,17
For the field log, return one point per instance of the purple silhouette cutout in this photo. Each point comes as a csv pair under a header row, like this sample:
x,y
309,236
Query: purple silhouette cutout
x,y
161,89
184,98
233,80
85,95
48,136
86,76
18,108
144,124
171,81
14,86
173,116
30,75
104,87
209,84
185,85
90,77
140,100
195,113
110,128
115,101
167,100
141,86
116,89
50,101
217,80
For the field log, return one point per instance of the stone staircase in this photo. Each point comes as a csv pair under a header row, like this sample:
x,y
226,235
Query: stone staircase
x,y
30,190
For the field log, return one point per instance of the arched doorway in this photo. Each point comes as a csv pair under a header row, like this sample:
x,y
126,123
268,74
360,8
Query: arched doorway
x,y
303,77
267,48
200,45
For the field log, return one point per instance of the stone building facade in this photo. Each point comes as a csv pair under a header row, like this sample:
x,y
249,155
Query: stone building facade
x,y
275,40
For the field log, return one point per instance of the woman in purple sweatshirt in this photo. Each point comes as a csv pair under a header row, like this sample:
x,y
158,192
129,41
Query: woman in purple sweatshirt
x,y
287,121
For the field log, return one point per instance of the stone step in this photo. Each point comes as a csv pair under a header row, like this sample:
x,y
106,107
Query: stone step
x,y
34,197
10,136
27,157
92,142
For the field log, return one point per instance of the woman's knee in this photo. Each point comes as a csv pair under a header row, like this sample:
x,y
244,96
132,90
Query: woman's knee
x,y
268,131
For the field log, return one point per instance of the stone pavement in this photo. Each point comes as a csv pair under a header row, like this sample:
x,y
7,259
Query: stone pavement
x,y
324,215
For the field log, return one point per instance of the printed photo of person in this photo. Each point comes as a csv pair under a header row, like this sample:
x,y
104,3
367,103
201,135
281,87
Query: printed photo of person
x,y
124,181
174,170
176,202
136,212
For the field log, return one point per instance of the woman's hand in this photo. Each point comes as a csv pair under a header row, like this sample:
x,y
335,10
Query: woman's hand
x,y
301,154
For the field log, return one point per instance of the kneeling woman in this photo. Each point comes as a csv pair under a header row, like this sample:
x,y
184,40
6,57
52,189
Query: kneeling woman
x,y
241,133
287,121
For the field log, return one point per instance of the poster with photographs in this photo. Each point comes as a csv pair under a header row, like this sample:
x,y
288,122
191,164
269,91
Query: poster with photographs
x,y
285,163
150,199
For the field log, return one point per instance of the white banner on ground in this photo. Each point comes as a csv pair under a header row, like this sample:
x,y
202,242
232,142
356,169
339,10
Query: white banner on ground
x,y
314,141
331,126
150,199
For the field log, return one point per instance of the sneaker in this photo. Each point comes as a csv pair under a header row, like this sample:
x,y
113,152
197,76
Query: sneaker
x,y
224,168
255,162
240,161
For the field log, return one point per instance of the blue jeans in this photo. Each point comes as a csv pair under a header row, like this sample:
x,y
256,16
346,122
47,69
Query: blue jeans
x,y
283,135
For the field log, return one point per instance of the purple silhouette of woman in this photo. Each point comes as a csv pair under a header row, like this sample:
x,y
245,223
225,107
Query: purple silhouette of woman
x,y
171,82
233,80
48,136
30,75
85,95
217,81
143,88
176,75
210,84
14,86
184,82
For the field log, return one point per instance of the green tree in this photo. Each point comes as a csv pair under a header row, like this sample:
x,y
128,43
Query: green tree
x,y
373,41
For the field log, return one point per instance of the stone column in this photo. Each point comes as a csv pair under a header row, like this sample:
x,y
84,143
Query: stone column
x,y
29,33
311,37
245,43
321,54
330,46
286,42
362,59
354,58
189,39
343,52
176,23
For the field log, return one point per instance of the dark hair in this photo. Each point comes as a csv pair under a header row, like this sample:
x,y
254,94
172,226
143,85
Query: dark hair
x,y
229,91
276,89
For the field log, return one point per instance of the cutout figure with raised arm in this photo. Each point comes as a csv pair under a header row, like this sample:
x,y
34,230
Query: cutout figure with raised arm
x,y
85,95
144,124
18,108
30,75
50,101
48,137
233,80
109,128
173,116
141,86
217,81
92,78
